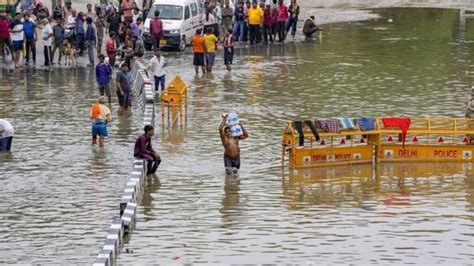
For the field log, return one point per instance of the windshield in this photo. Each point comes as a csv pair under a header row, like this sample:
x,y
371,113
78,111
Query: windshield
x,y
167,12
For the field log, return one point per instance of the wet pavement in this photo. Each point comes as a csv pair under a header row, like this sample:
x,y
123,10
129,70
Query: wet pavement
x,y
60,194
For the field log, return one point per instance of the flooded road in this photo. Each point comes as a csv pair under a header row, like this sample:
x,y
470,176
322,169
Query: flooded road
x,y
59,195
402,213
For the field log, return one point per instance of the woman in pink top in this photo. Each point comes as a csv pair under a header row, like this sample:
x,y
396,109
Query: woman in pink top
x,y
281,20
127,8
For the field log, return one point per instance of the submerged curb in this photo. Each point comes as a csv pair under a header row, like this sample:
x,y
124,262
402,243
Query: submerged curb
x,y
134,188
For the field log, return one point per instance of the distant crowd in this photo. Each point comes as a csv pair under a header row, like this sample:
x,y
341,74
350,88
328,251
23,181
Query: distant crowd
x,y
66,33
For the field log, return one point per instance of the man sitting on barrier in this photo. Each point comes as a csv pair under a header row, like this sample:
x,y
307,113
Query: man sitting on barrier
x,y
138,50
143,150
231,146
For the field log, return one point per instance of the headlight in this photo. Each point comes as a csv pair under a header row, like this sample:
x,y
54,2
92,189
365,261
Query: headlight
x,y
174,32
146,29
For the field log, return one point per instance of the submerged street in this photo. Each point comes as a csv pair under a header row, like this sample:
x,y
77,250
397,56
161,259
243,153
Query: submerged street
x,y
60,194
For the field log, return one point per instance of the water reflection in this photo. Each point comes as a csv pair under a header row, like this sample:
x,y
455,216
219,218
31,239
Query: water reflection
x,y
153,185
387,184
230,203
68,189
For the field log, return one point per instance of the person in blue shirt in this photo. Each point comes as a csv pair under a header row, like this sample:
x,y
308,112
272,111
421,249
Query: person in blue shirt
x,y
29,28
103,75
79,27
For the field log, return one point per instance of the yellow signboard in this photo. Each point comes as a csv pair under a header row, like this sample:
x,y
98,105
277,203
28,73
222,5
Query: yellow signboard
x,y
310,157
459,153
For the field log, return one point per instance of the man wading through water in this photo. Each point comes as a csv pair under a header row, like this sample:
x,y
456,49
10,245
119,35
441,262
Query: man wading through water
x,y
231,146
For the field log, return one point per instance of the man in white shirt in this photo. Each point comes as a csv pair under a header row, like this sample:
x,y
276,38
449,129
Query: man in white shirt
x,y
16,30
6,135
157,63
46,35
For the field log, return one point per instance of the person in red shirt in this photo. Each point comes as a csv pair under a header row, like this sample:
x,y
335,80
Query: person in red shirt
x,y
281,20
127,8
267,25
5,33
199,52
110,49
156,29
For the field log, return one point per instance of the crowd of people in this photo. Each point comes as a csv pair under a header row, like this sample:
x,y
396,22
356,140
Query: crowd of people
x,y
252,23
70,33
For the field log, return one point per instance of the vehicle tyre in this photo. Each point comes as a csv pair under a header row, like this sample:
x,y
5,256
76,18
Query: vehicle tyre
x,y
182,44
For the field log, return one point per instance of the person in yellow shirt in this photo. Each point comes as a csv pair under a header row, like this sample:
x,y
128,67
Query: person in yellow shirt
x,y
210,44
100,115
255,14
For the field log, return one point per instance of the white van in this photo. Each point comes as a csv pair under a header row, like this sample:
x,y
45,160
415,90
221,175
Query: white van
x,y
180,19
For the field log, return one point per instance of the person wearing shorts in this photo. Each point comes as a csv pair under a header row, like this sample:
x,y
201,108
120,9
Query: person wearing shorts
x,y
229,43
100,115
210,43
16,29
103,74
123,89
231,146
231,163
199,52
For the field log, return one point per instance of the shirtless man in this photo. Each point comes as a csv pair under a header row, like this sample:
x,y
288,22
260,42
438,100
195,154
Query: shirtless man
x,y
231,147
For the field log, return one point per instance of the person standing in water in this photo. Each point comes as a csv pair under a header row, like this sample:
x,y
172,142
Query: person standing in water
x,y
6,135
231,146
229,43
100,115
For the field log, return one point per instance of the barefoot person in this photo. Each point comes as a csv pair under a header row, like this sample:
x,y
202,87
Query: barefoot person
x,y
210,44
310,27
143,150
100,115
231,146
16,29
229,43
103,75
199,52
123,86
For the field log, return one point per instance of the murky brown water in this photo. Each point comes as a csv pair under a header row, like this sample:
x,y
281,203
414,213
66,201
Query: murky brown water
x,y
59,194
397,213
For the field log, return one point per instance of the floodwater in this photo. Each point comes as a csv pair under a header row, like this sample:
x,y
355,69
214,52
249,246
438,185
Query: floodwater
x,y
418,65
59,194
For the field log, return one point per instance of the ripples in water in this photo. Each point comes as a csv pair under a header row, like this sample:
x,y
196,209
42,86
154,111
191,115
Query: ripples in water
x,y
393,213
59,194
